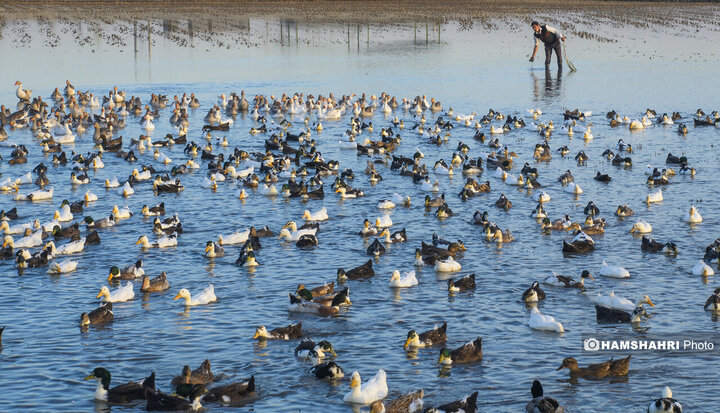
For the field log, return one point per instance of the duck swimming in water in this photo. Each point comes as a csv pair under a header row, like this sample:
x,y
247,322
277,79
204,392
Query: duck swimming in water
x,y
567,282
469,352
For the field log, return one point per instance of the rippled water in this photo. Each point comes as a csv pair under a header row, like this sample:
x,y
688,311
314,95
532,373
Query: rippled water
x,y
45,355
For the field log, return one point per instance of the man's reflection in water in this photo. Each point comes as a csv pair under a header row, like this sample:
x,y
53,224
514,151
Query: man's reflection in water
x,y
548,90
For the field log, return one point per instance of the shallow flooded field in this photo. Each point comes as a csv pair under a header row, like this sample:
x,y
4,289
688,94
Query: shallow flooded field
x,y
626,62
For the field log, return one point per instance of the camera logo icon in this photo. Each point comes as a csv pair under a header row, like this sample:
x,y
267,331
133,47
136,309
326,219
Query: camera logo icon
x,y
591,344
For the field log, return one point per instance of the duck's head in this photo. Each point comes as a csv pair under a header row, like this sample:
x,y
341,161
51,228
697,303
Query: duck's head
x,y
84,319
114,272
100,374
261,332
355,380
184,293
445,357
644,300
412,338
568,363
209,247
574,227
143,240
326,347
586,275
104,292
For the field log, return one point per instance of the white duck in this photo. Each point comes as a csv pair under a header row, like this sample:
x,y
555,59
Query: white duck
x,y
539,321
403,281
19,228
62,267
448,265
295,235
654,197
385,204
320,215
268,190
383,222
33,240
126,190
205,297
162,242
90,197
573,188
375,389
702,269
641,227
124,213
39,195
123,293
237,237
614,301
613,271
65,249
427,186
693,217
401,200
112,183
541,197
209,183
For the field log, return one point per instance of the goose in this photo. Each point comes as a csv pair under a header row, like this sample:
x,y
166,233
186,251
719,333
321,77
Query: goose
x,y
702,269
162,242
447,265
693,217
403,281
654,197
62,267
206,296
22,94
320,215
539,321
641,227
374,389
123,293
613,271
666,404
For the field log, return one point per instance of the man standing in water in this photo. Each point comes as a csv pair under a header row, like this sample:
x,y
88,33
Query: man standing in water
x,y
551,37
